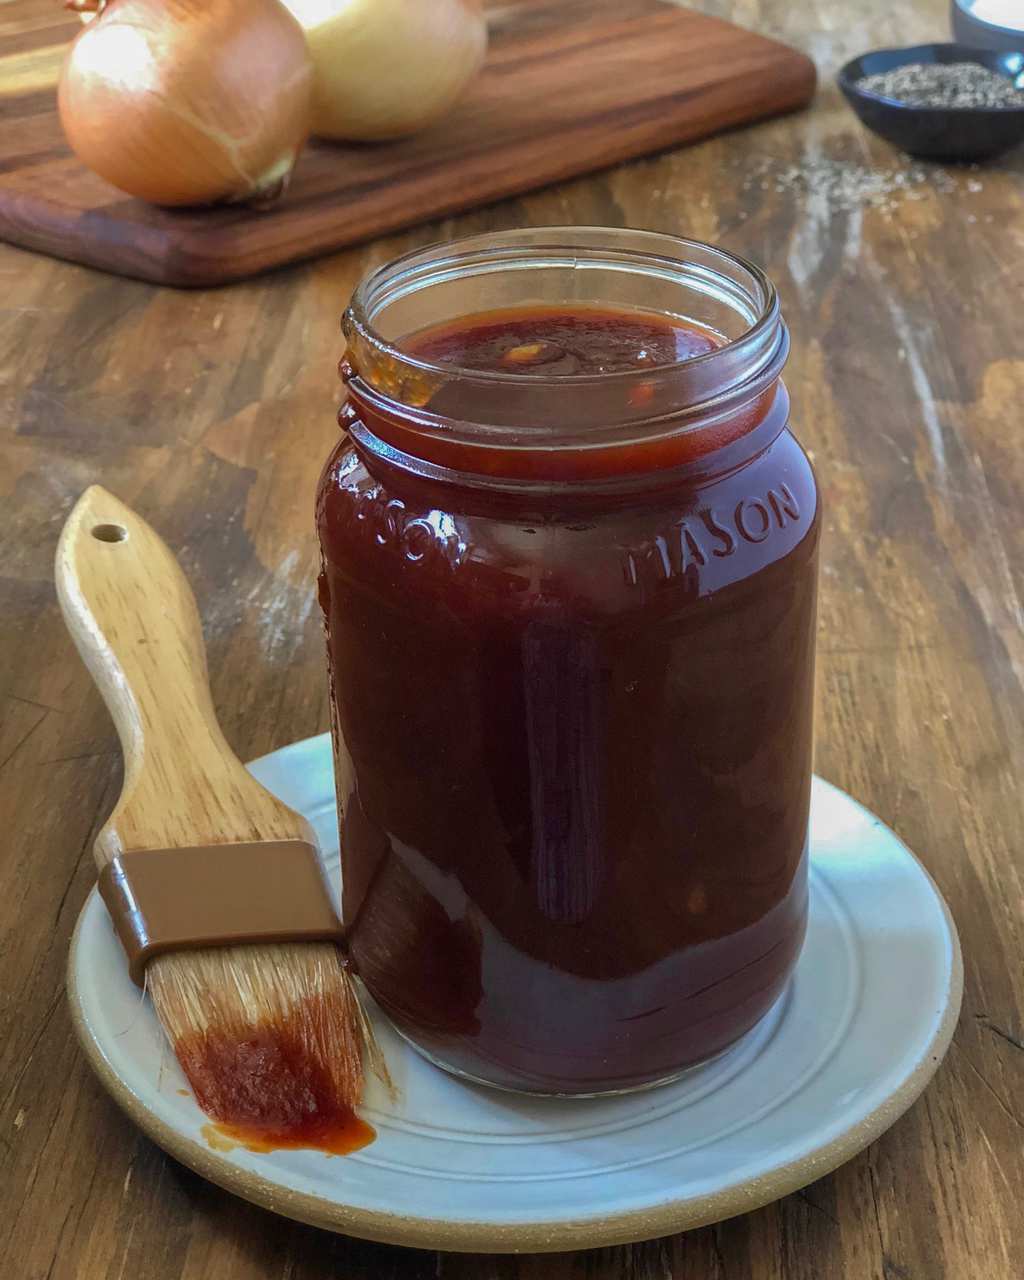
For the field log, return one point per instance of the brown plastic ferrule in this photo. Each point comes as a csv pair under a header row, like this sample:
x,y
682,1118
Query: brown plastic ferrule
x,y
218,895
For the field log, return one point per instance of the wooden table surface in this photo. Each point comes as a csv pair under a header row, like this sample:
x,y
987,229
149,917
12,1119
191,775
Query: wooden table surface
x,y
212,412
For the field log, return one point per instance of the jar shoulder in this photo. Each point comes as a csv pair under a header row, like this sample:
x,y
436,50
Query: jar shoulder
x,y
680,545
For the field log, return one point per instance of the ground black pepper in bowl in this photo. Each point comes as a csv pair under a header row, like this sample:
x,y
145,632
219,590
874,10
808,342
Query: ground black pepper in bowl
x,y
940,101
955,85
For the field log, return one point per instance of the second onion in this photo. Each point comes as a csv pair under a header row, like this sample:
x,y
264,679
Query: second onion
x,y
388,68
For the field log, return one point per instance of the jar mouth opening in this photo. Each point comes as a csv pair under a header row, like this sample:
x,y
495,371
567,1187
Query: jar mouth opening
x,y
615,269
734,282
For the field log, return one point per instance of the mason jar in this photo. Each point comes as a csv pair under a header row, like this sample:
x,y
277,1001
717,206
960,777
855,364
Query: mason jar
x,y
570,617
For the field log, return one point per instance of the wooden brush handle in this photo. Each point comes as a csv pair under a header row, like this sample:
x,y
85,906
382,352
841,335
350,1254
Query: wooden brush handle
x,y
133,619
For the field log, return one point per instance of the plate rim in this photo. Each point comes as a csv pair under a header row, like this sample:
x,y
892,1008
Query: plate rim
x,y
592,1231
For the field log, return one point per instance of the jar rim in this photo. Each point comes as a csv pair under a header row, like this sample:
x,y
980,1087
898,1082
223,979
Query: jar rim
x,y
485,248
617,268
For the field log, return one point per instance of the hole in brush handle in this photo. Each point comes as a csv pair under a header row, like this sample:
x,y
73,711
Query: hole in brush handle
x,y
109,532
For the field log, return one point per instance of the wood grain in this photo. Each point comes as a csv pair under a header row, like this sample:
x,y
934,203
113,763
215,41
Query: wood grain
x,y
211,413
569,86
133,619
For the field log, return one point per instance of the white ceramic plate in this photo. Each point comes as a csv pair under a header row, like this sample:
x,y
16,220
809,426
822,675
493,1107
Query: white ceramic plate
x,y
847,1049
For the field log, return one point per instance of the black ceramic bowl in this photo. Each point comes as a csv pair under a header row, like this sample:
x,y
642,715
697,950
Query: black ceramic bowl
x,y
940,133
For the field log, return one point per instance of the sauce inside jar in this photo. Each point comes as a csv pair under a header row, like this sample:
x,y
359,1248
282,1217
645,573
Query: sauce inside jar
x,y
554,342
573,737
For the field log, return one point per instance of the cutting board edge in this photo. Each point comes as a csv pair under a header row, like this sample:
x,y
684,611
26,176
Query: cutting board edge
x,y
196,259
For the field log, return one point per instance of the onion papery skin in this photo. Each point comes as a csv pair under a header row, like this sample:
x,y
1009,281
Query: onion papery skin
x,y
181,102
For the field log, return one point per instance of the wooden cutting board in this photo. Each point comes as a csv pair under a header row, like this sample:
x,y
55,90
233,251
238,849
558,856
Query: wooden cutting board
x,y
569,86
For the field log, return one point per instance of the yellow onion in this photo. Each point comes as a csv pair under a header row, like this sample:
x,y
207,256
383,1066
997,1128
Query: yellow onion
x,y
387,68
188,101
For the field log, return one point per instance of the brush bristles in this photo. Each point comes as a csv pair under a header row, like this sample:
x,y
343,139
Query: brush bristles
x,y
267,1035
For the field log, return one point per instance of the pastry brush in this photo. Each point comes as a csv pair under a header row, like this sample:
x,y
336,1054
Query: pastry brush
x,y
213,884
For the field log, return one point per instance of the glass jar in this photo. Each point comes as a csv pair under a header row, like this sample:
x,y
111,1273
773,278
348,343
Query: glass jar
x,y
570,626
